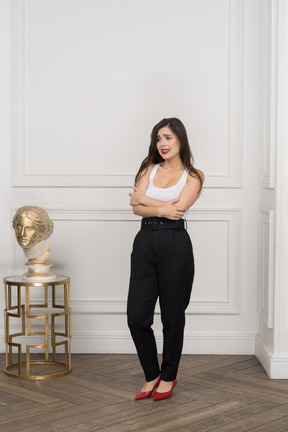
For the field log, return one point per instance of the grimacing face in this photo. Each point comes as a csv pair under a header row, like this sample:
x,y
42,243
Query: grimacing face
x,y
168,144
26,232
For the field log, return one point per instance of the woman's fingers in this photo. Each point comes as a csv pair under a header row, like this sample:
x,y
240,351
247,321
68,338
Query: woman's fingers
x,y
180,211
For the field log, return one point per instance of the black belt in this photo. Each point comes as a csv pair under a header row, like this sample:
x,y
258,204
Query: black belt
x,y
159,223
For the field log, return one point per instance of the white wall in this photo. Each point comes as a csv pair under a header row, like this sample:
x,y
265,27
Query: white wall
x,y
272,339
88,80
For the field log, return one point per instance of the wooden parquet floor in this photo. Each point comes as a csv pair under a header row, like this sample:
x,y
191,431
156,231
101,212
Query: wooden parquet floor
x,y
214,393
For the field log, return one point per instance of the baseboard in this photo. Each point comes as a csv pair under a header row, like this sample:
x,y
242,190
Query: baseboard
x,y
219,343
121,343
194,343
276,366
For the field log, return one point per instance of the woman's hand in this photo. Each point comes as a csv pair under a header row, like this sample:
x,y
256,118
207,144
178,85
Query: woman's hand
x,y
136,196
169,210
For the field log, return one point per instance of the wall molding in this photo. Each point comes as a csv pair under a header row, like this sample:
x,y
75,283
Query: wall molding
x,y
233,343
118,306
276,366
269,86
194,342
22,178
267,244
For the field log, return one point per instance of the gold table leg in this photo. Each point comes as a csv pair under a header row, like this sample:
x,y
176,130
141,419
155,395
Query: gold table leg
x,y
25,314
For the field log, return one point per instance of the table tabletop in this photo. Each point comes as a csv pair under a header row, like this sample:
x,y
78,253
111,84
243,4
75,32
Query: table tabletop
x,y
20,280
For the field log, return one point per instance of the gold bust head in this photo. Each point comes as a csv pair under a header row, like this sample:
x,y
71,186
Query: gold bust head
x,y
32,226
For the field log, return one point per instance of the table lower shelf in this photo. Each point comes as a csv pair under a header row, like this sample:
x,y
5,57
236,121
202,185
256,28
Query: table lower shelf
x,y
19,370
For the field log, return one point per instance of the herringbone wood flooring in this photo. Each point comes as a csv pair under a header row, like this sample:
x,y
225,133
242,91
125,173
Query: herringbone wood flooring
x,y
214,393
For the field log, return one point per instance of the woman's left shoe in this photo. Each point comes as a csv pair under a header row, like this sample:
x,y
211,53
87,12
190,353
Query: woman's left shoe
x,y
146,395
166,395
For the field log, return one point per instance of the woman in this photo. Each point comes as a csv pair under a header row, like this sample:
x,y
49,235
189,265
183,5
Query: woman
x,y
162,263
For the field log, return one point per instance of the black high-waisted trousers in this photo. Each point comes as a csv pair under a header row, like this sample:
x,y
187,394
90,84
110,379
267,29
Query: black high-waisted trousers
x,y
162,265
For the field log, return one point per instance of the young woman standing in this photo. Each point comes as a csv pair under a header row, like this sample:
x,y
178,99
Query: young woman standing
x,y
162,262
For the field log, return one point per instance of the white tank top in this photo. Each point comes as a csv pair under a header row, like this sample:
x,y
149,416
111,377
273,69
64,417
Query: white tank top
x,y
166,194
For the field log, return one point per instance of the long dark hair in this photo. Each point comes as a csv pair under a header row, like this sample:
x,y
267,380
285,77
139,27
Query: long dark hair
x,y
185,154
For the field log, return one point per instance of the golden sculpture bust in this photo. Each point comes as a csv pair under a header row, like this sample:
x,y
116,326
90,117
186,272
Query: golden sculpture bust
x,y
32,227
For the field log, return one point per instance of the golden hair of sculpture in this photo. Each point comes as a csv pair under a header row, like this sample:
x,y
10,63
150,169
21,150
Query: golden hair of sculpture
x,y
32,227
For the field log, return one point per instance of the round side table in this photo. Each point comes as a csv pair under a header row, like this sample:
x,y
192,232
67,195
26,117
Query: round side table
x,y
27,315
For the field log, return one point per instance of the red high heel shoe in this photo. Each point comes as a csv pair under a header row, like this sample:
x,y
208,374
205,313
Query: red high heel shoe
x,y
148,394
166,395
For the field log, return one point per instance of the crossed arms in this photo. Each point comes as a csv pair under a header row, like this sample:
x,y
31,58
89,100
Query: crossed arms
x,y
174,209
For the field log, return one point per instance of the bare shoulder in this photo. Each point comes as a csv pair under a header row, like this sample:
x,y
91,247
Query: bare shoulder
x,y
192,177
147,171
144,178
201,175
150,168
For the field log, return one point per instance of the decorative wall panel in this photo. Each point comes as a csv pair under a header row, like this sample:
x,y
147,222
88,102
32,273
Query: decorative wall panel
x,y
268,91
71,127
93,246
266,270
